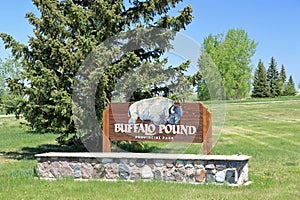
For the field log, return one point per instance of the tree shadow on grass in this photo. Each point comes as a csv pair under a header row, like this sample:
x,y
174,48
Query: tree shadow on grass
x,y
27,153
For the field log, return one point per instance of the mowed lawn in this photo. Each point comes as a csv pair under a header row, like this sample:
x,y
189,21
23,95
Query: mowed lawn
x,y
267,131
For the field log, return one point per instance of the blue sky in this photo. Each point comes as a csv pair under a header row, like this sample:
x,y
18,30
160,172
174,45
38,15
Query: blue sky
x,y
274,24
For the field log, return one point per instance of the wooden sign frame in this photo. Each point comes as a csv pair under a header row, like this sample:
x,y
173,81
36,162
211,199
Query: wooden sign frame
x,y
192,114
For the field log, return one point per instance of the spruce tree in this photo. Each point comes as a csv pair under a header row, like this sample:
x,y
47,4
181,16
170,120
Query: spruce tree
x,y
290,87
282,80
261,87
273,79
65,32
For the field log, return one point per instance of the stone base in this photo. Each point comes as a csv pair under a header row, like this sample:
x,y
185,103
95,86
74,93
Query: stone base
x,y
185,168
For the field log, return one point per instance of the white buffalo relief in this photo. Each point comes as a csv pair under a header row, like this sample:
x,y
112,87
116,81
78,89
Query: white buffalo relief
x,y
158,110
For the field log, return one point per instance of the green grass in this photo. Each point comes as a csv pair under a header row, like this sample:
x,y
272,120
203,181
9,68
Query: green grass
x,y
284,98
269,132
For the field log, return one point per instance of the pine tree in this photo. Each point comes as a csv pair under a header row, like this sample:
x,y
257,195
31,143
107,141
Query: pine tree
x,y
282,77
290,87
65,32
273,79
261,87
282,74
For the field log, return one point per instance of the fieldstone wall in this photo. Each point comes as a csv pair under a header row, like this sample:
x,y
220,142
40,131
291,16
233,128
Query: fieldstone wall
x,y
146,167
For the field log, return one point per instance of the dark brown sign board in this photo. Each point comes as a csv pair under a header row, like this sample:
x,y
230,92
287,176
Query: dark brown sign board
x,y
194,126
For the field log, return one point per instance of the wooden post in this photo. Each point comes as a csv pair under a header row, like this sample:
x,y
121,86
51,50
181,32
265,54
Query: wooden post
x,y
105,135
207,132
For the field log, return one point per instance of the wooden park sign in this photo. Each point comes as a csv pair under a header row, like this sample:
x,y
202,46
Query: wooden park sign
x,y
158,119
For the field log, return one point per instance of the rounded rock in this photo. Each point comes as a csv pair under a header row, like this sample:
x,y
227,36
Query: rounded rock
x,y
147,172
220,177
140,162
124,171
157,175
158,163
169,165
189,166
200,175
210,166
179,163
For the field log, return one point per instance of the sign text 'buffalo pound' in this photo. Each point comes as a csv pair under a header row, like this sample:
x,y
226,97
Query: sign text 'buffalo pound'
x,y
157,119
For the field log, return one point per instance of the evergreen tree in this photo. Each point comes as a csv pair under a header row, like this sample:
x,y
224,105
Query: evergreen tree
x,y
273,79
65,32
282,80
261,87
290,87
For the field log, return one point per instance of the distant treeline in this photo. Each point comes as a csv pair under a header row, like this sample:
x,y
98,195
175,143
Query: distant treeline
x,y
271,82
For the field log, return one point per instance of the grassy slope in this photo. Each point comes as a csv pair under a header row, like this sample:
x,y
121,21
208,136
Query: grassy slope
x,y
267,132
